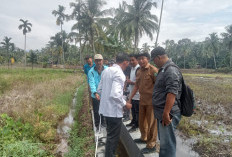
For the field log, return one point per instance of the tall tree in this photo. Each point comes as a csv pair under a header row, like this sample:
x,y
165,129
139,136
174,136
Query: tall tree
x,y
184,47
61,16
145,48
213,42
8,46
32,58
227,37
139,20
26,26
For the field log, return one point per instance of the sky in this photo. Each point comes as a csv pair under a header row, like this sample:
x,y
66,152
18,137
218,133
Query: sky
x,y
193,19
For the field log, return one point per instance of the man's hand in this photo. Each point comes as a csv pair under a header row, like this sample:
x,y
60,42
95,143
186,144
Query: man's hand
x,y
97,96
128,105
129,101
166,120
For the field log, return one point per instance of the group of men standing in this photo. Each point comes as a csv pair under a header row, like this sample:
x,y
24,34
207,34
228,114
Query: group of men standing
x,y
154,95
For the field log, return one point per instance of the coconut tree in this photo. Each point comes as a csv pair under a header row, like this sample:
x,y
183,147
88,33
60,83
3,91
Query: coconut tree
x,y
61,16
227,38
184,47
139,20
91,21
8,46
146,47
26,26
213,42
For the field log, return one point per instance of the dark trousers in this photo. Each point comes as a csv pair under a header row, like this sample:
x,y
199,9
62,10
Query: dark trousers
x,y
96,104
113,128
135,112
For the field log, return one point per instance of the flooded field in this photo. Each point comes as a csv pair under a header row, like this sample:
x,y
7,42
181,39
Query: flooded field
x,y
211,125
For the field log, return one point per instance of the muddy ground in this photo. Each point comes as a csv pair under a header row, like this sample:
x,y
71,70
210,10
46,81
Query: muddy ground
x,y
211,125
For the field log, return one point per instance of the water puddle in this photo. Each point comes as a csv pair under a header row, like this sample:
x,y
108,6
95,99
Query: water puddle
x,y
184,146
64,127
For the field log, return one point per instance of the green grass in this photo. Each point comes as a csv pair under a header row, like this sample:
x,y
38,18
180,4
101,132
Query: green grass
x,y
81,136
43,99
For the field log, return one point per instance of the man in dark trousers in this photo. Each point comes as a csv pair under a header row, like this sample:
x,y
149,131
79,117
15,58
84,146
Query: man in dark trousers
x,y
94,76
135,100
165,97
110,90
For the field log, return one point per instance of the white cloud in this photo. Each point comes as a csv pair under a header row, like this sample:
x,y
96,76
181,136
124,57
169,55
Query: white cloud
x,y
193,19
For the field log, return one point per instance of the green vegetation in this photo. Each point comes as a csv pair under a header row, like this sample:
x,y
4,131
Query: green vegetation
x,y
82,136
32,104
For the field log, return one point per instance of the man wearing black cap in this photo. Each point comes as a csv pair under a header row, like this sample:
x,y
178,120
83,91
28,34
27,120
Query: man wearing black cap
x,y
166,92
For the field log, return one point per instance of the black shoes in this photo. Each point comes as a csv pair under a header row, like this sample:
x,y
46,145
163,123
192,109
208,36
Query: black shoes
x,y
132,129
130,124
148,150
139,141
126,119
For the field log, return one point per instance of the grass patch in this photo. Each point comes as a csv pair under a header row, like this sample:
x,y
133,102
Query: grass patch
x,y
82,137
36,100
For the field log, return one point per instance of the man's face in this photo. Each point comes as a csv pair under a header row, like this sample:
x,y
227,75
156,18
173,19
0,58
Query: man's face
x,y
133,61
98,62
106,62
157,61
89,61
143,61
125,65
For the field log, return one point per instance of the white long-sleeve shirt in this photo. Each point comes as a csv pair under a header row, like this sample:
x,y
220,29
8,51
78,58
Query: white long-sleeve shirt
x,y
110,89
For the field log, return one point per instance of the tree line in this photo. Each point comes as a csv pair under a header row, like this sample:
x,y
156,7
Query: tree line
x,y
108,31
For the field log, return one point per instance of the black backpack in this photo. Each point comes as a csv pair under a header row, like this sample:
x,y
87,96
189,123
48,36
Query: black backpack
x,y
186,102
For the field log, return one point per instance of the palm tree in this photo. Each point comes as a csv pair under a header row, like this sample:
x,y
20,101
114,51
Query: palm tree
x,y
139,20
156,41
91,21
228,40
184,46
26,26
145,48
7,45
213,42
61,16
32,58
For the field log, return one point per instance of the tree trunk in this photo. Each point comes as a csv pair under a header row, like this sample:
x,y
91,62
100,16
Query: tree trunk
x,y
25,50
231,58
136,41
214,58
206,62
8,58
62,43
156,41
92,42
184,61
80,51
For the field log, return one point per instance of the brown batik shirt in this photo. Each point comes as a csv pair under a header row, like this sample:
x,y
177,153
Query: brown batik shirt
x,y
145,81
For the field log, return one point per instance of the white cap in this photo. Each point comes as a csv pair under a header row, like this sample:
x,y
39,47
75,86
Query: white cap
x,y
98,56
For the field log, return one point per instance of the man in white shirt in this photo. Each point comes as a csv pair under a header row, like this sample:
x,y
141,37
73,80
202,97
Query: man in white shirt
x,y
110,90
135,100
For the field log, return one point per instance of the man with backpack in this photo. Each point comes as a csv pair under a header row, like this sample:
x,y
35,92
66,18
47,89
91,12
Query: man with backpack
x,y
165,98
